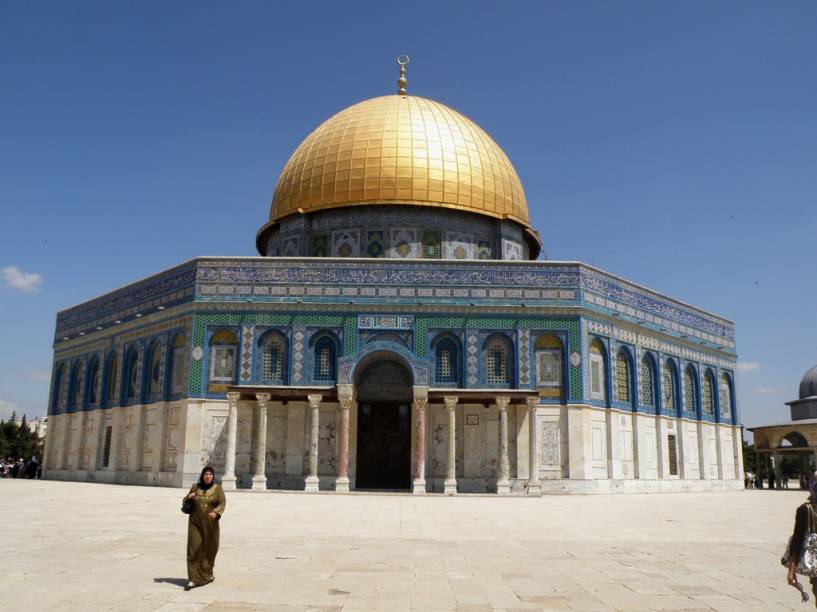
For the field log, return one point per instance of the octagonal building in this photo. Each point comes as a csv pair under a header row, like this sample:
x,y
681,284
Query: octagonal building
x,y
397,332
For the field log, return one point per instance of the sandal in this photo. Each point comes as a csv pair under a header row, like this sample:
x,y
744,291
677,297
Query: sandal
x,y
189,586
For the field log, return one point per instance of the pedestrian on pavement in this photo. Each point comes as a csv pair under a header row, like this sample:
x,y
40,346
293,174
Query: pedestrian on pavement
x,y
805,521
203,528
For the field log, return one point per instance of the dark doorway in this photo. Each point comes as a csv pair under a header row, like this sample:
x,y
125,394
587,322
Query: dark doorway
x,y
383,446
384,425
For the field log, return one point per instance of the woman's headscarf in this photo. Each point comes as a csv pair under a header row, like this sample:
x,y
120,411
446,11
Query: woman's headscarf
x,y
204,470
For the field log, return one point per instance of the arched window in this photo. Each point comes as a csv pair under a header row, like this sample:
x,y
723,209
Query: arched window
x,y
431,244
549,357
177,370
690,391
132,374
646,382
273,358
447,361
623,377
725,396
223,350
708,394
93,380
598,373
668,382
59,388
325,358
109,394
155,369
498,364
76,385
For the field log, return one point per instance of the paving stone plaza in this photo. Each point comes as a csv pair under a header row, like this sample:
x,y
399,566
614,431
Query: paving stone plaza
x,y
85,546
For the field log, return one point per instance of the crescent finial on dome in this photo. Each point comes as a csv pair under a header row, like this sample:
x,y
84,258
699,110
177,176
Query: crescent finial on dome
x,y
402,61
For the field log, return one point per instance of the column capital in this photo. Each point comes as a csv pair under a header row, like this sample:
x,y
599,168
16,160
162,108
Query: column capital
x,y
314,400
262,399
420,397
346,392
233,397
532,402
451,401
502,402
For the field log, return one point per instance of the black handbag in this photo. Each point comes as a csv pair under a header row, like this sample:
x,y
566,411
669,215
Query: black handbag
x,y
188,505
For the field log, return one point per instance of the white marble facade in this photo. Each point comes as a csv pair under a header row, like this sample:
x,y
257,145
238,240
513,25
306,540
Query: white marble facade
x,y
580,448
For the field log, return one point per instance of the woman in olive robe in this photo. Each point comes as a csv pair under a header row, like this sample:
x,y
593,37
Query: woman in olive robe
x,y
202,528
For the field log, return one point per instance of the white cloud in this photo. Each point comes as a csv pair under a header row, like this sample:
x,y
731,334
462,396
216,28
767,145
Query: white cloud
x,y
39,376
766,391
15,278
6,408
748,366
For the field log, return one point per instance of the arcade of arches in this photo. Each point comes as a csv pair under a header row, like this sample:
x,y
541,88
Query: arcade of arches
x,y
793,442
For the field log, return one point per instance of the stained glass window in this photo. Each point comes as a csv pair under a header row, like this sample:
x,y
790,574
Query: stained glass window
x,y
155,386
690,403
622,377
177,365
597,374
549,355
668,386
708,394
273,359
646,382
324,359
725,396
497,370
446,361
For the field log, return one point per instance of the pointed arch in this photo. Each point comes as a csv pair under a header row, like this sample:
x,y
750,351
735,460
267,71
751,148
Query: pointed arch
x,y
273,362
691,391
325,349
646,382
708,393
130,375
177,364
60,378
725,396
624,376
92,377
110,383
446,349
669,387
498,357
75,390
155,384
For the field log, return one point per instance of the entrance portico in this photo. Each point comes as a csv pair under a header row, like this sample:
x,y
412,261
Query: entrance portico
x,y
384,433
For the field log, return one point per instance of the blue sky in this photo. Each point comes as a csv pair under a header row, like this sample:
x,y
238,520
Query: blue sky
x,y
674,144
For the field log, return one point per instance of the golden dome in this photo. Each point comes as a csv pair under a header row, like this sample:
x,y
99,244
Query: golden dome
x,y
399,150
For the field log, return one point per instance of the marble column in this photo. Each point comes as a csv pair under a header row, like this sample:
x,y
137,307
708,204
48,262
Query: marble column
x,y
259,477
534,485
450,485
503,484
228,479
345,399
420,402
311,483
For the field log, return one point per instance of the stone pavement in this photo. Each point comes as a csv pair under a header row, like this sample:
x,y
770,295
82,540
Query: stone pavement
x,y
81,546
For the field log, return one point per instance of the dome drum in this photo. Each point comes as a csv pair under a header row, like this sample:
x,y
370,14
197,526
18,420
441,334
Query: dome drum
x,y
395,232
